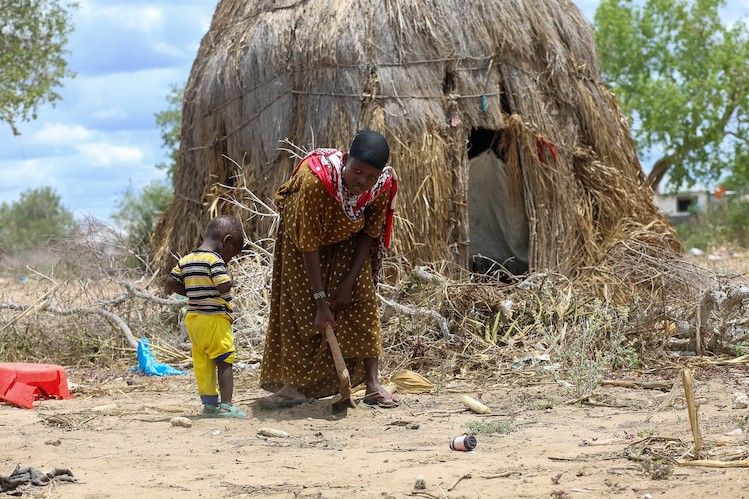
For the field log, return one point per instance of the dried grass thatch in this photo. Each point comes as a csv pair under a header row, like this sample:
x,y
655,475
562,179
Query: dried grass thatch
x,y
425,73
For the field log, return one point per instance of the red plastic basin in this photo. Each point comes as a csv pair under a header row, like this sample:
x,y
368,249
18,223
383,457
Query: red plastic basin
x,y
20,383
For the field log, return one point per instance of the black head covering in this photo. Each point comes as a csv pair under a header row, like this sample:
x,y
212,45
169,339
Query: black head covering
x,y
370,147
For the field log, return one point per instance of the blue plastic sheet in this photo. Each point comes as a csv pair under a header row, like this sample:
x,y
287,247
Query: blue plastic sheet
x,y
148,365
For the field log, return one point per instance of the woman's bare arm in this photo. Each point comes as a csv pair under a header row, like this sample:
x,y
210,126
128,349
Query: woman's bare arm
x,y
324,314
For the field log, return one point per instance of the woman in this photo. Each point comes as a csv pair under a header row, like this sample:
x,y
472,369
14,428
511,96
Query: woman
x,y
336,217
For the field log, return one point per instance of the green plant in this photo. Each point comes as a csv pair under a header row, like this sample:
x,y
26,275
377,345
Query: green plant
x,y
170,123
32,54
489,328
542,405
720,223
476,427
627,356
139,210
741,348
679,69
36,220
648,431
594,346
743,422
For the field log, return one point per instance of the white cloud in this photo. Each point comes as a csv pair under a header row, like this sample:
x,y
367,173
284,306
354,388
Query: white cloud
x,y
112,113
18,174
168,49
140,18
59,134
105,154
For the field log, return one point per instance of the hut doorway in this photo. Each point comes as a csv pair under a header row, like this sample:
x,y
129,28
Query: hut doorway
x,y
497,222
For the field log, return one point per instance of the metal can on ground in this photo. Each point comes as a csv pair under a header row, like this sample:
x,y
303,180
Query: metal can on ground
x,y
464,442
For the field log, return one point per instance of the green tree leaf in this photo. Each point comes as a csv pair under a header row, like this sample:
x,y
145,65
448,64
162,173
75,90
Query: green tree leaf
x,y
684,75
138,211
33,34
170,123
35,220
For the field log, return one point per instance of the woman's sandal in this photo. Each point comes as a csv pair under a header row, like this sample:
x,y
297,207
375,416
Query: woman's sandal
x,y
381,400
234,412
214,411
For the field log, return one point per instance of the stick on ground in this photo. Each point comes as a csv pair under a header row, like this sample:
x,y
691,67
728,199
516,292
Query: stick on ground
x,y
692,408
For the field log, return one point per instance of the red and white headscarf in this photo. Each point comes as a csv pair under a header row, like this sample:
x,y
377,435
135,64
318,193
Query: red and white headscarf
x,y
327,165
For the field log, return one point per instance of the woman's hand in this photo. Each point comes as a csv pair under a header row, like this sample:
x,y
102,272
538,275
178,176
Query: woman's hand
x,y
343,296
324,317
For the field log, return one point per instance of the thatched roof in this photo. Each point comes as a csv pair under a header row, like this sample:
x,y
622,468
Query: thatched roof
x,y
425,73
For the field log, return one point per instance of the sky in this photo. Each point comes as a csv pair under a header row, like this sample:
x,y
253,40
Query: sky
x,y
102,135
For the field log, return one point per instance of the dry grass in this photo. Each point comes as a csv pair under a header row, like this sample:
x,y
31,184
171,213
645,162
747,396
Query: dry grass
x,y
91,270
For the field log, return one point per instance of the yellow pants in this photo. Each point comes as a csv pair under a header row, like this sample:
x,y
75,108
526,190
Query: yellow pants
x,y
211,341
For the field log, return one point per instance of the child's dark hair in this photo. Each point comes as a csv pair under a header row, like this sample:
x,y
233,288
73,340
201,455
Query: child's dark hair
x,y
225,224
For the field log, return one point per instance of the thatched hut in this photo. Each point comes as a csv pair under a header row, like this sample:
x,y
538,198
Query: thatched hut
x,y
505,140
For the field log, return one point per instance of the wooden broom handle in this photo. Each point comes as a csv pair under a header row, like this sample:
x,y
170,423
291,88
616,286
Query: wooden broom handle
x,y
335,350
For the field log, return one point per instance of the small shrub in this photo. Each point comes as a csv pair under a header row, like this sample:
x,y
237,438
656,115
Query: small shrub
x,y
596,345
741,348
718,224
657,470
476,427
743,422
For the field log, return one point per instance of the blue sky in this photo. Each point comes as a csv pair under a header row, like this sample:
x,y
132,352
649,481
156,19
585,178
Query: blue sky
x,y
103,135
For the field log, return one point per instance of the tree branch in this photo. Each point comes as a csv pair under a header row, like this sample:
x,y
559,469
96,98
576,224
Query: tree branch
x,y
121,325
419,311
735,134
659,170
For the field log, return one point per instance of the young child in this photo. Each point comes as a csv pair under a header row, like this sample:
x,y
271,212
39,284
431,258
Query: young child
x,y
203,276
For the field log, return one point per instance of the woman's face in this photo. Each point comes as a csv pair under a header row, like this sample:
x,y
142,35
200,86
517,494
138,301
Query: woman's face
x,y
359,177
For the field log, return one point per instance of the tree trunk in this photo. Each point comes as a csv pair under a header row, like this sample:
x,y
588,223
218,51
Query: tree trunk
x,y
656,174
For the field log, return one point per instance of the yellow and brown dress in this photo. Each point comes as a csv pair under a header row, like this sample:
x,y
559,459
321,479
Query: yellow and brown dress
x,y
296,354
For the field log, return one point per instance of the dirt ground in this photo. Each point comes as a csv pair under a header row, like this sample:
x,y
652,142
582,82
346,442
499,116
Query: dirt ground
x,y
134,451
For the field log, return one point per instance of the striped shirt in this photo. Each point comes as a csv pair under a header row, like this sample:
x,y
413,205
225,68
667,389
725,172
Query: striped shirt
x,y
201,272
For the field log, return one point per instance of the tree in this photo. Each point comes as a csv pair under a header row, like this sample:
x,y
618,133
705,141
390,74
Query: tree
x,y
138,211
685,76
34,220
33,34
170,123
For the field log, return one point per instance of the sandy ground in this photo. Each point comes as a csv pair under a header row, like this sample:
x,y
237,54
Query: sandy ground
x,y
368,452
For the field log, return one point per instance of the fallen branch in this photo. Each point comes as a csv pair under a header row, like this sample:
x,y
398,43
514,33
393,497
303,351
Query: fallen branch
x,y
651,385
709,463
467,475
121,325
424,274
420,311
609,441
424,493
580,400
500,475
137,291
